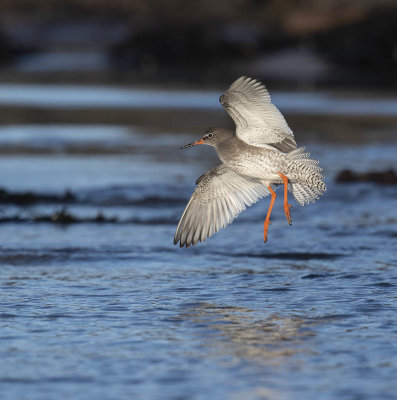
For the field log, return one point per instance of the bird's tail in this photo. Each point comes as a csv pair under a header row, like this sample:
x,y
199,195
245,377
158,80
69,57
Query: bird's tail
x,y
307,180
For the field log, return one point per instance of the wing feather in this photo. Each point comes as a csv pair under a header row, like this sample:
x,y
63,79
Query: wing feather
x,y
258,121
220,195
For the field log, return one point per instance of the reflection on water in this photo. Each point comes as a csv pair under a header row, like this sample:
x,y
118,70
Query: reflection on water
x,y
98,303
251,334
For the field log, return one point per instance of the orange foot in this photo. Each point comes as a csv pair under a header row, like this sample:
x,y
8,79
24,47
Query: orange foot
x,y
286,205
267,220
266,229
288,212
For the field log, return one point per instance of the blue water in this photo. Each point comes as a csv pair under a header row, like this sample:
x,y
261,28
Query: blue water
x,y
113,310
76,96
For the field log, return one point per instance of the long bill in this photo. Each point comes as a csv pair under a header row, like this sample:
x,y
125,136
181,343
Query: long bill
x,y
201,141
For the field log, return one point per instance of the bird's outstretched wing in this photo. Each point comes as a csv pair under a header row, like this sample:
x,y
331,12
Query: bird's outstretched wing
x,y
258,121
221,194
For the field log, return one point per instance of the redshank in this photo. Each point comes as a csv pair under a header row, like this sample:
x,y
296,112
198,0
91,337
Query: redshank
x,y
260,154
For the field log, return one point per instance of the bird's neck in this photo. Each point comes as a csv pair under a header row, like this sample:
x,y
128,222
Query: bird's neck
x,y
227,148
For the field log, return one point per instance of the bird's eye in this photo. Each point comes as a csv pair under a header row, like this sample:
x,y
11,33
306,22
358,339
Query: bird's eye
x,y
210,135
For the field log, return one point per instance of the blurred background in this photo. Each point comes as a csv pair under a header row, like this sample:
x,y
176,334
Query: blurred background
x,y
96,97
288,42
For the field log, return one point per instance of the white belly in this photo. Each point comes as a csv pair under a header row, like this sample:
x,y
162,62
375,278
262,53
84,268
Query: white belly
x,y
255,167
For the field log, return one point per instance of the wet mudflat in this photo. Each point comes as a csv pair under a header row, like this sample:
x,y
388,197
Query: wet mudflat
x,y
97,301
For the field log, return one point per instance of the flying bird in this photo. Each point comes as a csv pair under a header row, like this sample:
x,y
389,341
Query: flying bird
x,y
260,155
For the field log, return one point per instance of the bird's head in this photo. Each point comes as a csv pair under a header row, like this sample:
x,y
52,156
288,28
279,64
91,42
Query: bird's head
x,y
212,137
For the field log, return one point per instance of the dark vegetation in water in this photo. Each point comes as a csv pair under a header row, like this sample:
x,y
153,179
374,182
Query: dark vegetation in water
x,y
62,217
65,217
114,197
385,177
28,198
117,197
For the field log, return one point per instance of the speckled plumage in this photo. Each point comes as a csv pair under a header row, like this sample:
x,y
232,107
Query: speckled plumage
x,y
261,152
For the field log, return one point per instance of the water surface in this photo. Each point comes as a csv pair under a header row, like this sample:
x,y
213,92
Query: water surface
x,y
103,305
70,96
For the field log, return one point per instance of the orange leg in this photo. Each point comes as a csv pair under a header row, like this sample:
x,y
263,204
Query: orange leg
x,y
267,220
286,205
